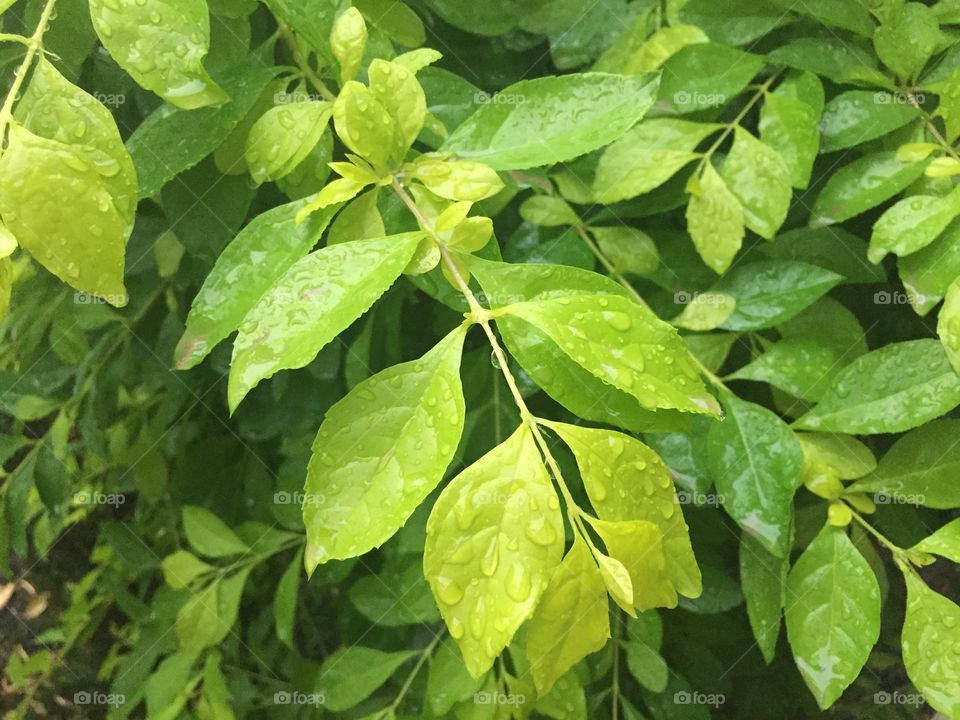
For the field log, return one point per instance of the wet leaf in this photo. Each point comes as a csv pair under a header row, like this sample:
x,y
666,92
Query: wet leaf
x,y
760,180
318,297
259,255
494,538
832,613
755,462
763,577
162,45
576,597
552,119
380,451
931,632
715,220
895,388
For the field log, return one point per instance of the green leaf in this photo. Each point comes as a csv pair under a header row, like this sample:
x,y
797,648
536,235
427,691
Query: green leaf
x,y
448,681
380,451
931,631
837,59
832,613
857,116
803,368
912,224
282,138
209,535
548,211
162,45
863,184
623,344
351,674
348,40
638,546
646,157
755,462
313,21
763,577
907,38
629,250
789,125
928,273
209,615
548,365
188,136
948,324
769,292
760,179
364,125
706,75
705,311
256,258
285,600
85,153
733,22
895,388
829,247
395,19
626,480
920,468
552,119
646,665
494,538
62,205
945,542
715,220
397,89
571,619
181,568
317,298
846,456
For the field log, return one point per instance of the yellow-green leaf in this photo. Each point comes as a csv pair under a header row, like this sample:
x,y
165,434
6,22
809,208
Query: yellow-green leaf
x,y
283,136
364,125
380,451
161,44
714,220
571,620
626,480
931,634
494,538
948,324
317,298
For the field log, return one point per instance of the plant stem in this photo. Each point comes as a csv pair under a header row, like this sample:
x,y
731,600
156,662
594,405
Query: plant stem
x,y
482,317
302,63
424,656
733,124
34,45
931,127
899,553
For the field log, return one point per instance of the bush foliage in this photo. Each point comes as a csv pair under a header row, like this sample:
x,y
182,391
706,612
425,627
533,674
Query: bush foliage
x,y
458,359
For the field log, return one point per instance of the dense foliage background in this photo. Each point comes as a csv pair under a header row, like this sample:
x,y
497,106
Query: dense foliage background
x,y
706,243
